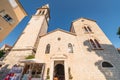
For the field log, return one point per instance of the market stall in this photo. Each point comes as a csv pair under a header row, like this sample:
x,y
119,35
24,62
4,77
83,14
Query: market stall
x,y
33,69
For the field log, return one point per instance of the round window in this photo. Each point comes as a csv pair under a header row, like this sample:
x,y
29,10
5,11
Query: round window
x,y
59,39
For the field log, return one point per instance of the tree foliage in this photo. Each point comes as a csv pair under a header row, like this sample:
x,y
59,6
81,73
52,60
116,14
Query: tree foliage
x,y
30,57
118,33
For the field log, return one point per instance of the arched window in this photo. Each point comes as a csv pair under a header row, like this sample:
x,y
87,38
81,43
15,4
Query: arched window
x,y
106,65
89,29
43,12
92,43
39,12
47,49
97,43
70,48
85,29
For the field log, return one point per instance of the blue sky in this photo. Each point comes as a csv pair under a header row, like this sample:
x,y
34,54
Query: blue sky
x,y
63,12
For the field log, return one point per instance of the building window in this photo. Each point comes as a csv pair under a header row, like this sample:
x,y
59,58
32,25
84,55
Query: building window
x,y
6,17
43,12
107,65
59,39
39,12
47,49
95,44
70,48
82,20
87,29
0,28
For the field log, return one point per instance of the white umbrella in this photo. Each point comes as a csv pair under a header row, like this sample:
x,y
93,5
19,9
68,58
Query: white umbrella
x,y
31,61
1,63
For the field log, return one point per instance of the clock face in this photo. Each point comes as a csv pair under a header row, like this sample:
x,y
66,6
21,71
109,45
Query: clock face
x,y
13,3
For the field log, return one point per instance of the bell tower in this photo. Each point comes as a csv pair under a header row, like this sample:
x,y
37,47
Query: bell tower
x,y
44,11
29,39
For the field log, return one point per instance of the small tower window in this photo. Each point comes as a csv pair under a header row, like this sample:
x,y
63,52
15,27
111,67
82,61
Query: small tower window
x,y
70,48
43,12
97,43
92,43
89,29
85,29
0,28
107,65
47,49
40,12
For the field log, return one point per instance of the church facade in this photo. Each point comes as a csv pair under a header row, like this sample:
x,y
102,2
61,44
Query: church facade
x,y
83,53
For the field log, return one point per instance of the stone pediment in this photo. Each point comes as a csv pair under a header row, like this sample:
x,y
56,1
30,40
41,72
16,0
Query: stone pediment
x,y
67,32
58,56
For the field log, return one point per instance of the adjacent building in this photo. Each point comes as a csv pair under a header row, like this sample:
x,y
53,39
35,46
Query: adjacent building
x,y
11,13
118,50
83,53
6,47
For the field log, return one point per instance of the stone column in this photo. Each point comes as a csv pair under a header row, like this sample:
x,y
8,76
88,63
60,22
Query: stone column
x,y
51,69
66,69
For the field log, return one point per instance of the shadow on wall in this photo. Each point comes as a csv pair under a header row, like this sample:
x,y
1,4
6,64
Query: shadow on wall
x,y
109,65
3,71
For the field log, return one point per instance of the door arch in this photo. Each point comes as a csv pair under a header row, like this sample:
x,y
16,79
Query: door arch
x,y
59,72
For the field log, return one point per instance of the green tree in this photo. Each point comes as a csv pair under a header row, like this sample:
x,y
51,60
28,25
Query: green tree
x,y
30,57
48,70
118,33
2,53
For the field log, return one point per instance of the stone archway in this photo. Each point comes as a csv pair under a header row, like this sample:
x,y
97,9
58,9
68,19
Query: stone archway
x,y
59,72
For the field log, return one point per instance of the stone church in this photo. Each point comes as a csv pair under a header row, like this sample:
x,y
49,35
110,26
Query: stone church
x,y
83,53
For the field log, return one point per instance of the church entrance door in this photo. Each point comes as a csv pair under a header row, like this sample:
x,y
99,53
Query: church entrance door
x,y
59,73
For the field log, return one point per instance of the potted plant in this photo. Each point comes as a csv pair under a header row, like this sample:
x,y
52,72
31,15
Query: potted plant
x,y
70,75
48,76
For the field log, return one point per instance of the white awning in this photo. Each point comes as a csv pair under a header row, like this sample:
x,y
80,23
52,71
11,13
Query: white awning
x,y
31,61
1,63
